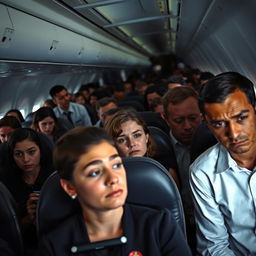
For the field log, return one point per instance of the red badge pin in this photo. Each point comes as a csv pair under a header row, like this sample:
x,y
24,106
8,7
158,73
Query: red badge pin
x,y
135,253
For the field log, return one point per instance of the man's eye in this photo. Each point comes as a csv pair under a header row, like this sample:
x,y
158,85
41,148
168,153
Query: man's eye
x,y
178,120
241,118
218,124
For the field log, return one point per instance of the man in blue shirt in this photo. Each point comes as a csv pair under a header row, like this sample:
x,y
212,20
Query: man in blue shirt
x,y
223,179
74,113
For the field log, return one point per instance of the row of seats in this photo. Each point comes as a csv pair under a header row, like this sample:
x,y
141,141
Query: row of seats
x,y
159,190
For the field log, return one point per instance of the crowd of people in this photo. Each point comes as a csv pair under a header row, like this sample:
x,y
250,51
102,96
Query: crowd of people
x,y
211,125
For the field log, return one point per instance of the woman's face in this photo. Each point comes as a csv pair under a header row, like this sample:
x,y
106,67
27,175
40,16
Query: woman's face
x,y
99,178
26,154
47,125
132,141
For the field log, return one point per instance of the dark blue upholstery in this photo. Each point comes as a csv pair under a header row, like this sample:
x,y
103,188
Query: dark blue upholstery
x,y
9,225
149,184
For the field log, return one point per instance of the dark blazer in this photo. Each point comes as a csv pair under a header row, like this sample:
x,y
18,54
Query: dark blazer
x,y
149,231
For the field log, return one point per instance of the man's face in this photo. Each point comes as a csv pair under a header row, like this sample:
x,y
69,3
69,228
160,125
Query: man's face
x,y
62,99
183,119
5,133
106,108
234,123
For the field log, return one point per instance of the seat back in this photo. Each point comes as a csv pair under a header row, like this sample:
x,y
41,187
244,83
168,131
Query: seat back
x,y
154,119
149,184
165,151
10,229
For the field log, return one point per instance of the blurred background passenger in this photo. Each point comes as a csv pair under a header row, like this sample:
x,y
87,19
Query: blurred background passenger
x,y
46,122
30,163
132,138
49,103
16,113
8,124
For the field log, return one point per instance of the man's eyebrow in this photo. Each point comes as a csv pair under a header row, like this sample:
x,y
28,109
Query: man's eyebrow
x,y
241,113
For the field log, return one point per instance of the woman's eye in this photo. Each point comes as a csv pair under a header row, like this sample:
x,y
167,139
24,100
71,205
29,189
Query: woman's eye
x,y
31,152
18,154
117,165
94,173
120,141
137,135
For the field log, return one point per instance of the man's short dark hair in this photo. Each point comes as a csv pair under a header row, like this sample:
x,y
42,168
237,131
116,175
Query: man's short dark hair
x,y
217,89
10,121
104,102
56,89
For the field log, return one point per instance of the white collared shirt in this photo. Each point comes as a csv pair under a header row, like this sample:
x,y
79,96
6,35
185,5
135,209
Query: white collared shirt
x,y
225,204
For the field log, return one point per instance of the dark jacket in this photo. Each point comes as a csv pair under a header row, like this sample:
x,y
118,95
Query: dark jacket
x,y
149,231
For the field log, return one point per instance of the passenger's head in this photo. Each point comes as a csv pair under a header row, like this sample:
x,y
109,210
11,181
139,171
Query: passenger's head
x,y
16,113
49,103
25,149
153,92
182,112
157,106
130,134
60,96
45,121
79,98
228,104
175,81
90,168
8,125
105,104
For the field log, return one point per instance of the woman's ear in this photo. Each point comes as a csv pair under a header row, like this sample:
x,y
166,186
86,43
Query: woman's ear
x,y
68,188
147,136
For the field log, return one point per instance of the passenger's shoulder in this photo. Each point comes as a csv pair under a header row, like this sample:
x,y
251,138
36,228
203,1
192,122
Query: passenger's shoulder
x,y
207,159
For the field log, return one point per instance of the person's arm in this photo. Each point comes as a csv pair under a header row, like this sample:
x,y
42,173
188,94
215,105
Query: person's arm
x,y
212,235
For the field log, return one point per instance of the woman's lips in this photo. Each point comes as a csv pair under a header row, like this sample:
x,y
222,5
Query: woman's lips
x,y
115,193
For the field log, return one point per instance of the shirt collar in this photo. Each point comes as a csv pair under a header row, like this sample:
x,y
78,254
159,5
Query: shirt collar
x,y
176,142
225,161
64,111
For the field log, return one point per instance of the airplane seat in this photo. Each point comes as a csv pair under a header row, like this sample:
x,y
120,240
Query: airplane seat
x,y
10,228
159,190
131,103
154,119
202,139
165,151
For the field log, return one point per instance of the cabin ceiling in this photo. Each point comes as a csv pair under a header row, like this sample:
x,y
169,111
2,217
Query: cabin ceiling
x,y
149,26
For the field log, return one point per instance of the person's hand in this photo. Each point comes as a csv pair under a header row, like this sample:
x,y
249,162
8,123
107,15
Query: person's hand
x,y
31,206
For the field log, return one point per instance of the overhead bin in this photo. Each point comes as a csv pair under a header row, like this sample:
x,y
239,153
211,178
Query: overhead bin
x,y
29,38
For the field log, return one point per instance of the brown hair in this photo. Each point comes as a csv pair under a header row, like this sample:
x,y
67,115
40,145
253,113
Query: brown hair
x,y
113,127
177,95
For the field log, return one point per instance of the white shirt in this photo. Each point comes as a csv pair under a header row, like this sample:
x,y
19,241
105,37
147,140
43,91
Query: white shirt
x,y
225,204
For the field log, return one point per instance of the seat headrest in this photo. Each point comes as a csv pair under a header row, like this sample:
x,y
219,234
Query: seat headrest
x,y
149,184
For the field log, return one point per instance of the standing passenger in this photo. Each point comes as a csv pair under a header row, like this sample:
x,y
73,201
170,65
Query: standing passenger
x,y
76,114
223,179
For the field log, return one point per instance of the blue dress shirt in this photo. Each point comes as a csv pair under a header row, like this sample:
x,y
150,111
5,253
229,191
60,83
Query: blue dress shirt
x,y
79,114
225,204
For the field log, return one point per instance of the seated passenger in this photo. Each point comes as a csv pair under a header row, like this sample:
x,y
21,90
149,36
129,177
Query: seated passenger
x,y
8,124
74,113
132,138
16,113
46,122
91,170
29,166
